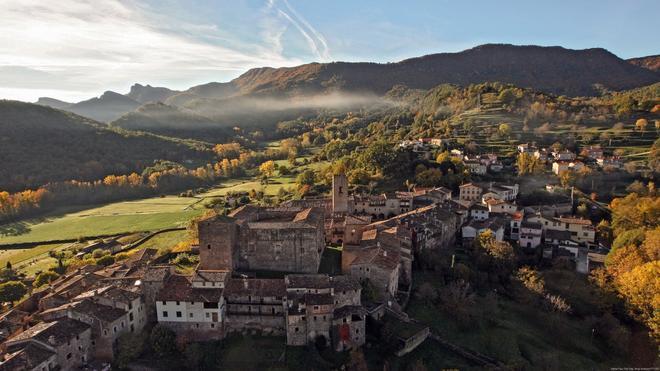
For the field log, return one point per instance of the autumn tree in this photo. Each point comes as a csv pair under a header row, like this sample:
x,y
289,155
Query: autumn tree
x,y
641,124
504,130
267,168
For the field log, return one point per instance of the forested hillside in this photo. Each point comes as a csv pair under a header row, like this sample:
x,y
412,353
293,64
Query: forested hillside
x,y
169,120
40,144
548,69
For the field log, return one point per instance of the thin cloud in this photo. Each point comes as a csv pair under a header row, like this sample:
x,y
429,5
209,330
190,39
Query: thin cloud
x,y
83,47
323,49
315,40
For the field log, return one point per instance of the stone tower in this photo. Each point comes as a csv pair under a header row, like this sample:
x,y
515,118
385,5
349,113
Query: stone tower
x,y
340,194
218,243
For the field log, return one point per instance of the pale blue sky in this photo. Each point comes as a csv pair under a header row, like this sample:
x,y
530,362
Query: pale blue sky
x,y
74,49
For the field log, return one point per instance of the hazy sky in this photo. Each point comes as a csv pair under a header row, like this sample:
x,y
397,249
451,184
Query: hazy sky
x,y
74,49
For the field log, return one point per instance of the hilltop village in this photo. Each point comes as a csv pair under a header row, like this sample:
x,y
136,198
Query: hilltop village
x,y
470,227
76,322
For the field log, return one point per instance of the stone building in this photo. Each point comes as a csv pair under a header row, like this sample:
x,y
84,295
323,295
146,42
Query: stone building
x,y
255,304
64,344
325,307
107,323
379,265
256,238
190,310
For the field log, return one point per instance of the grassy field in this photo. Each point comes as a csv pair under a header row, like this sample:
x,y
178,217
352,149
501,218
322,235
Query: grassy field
x,y
121,217
30,261
165,240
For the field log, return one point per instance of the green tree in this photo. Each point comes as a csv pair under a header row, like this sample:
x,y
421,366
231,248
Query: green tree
x,y
44,278
129,347
306,178
162,341
12,291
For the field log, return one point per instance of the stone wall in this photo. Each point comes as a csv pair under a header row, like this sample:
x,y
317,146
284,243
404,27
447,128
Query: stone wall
x,y
281,249
218,238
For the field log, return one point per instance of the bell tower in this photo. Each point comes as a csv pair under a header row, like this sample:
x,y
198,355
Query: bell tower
x,y
340,194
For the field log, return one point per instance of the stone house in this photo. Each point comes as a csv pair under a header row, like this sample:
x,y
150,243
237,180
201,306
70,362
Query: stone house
x,y
469,192
256,304
131,302
377,265
31,357
323,306
70,342
107,323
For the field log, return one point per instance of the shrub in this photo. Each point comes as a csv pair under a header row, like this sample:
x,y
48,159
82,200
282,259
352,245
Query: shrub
x,y
44,278
105,260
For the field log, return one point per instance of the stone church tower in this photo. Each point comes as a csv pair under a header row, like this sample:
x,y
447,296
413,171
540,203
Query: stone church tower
x,y
218,239
340,194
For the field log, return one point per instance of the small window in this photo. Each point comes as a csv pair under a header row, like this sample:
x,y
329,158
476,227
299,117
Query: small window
x,y
208,247
178,303
208,315
178,314
191,315
164,303
165,313
296,329
68,356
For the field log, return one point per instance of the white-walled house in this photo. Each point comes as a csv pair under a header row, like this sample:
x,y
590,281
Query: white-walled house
x,y
479,212
496,206
530,234
581,230
475,227
193,304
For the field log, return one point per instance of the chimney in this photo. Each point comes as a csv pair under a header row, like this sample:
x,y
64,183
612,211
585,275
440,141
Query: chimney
x,y
51,340
384,252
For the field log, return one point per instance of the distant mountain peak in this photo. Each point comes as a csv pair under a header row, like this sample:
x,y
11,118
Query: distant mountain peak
x,y
147,93
52,102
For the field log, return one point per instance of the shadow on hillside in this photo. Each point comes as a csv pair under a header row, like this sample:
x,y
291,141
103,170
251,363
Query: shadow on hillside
x,y
14,229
